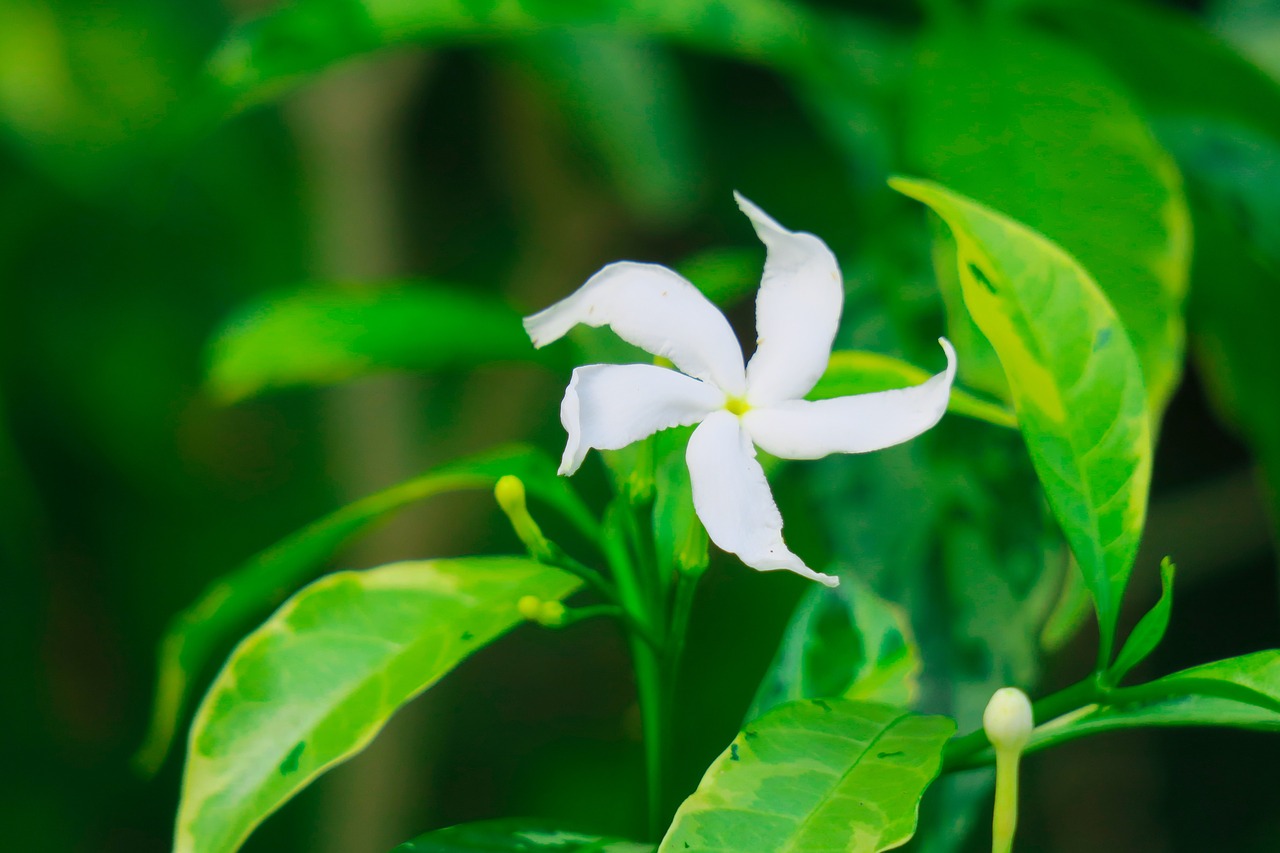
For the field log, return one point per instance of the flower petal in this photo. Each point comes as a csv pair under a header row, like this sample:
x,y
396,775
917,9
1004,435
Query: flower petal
x,y
655,309
797,311
800,429
732,498
608,406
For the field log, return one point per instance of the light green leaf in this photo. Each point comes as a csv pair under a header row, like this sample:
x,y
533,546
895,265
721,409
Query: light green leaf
x,y
846,642
316,683
516,836
1042,132
1149,631
853,372
1075,382
197,634
329,334
815,775
1242,692
626,97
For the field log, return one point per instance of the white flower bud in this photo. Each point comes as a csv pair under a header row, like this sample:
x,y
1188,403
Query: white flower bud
x,y
1008,720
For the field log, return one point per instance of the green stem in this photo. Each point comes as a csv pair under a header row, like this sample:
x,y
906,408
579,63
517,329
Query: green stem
x,y
1004,820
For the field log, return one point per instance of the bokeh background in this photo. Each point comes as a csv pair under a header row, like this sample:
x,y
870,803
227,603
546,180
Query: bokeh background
x,y
145,199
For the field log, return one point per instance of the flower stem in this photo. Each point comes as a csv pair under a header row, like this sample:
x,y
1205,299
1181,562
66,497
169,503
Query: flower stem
x,y
1004,820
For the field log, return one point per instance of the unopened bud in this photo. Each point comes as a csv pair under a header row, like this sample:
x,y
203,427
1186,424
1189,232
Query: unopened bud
x,y
1008,720
551,614
529,606
509,492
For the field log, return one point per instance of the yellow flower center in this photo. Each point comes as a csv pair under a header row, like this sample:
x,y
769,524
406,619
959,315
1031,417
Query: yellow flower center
x,y
737,406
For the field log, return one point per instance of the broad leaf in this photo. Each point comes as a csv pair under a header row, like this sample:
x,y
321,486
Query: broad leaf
x,y
198,633
1043,133
328,334
320,678
516,836
854,372
1168,60
845,642
815,775
1150,629
1075,382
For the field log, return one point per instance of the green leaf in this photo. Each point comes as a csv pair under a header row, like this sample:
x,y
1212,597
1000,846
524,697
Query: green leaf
x,y
815,775
330,334
316,683
1149,631
1168,60
845,642
516,836
1075,382
1242,692
197,634
1043,133
854,372
266,56
627,98
678,534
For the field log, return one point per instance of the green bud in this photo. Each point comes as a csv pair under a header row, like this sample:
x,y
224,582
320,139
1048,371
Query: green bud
x,y
509,492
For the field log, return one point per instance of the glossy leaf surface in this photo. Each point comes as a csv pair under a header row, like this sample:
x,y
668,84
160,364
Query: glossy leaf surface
x,y
843,642
815,775
320,678
1075,382
1043,133
516,836
1150,629
198,633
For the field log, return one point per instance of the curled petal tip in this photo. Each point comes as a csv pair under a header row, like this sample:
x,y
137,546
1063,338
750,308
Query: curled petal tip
x,y
829,581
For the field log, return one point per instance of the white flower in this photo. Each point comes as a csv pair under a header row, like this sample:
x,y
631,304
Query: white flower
x,y
609,406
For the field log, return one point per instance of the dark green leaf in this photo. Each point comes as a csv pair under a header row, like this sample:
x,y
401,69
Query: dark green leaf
x,y
196,635
626,97
846,642
325,335
268,55
1044,134
1075,381
516,836
815,775
1150,628
316,683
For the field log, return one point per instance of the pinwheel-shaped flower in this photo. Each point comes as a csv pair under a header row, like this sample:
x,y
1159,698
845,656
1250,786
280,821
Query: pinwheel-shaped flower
x,y
608,406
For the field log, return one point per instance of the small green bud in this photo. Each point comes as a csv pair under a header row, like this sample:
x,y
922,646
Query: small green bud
x,y
509,493
551,614
1008,720
529,607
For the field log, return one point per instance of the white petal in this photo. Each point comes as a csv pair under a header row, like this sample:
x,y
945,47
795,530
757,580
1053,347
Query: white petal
x,y
655,309
608,406
797,311
732,498
799,429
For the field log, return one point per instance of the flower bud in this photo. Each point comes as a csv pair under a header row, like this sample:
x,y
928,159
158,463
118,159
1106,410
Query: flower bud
x,y
509,493
529,606
1008,720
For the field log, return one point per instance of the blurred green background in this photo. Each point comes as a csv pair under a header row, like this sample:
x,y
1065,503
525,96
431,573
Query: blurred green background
x,y
147,194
